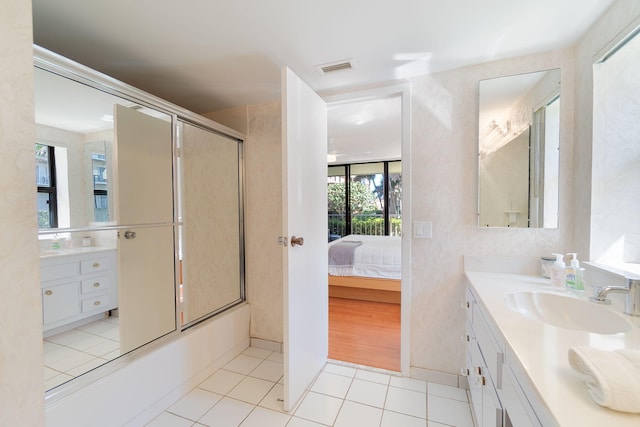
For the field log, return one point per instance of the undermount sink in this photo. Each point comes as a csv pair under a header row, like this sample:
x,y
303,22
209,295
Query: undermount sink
x,y
566,312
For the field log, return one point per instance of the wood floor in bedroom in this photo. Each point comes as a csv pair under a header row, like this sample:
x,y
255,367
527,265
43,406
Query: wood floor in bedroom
x,y
365,332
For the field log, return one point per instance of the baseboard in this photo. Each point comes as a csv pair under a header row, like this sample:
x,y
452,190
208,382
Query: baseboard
x,y
443,378
266,344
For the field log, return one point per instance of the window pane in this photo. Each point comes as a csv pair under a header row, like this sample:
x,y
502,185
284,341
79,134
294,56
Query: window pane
x,y
337,206
43,210
366,199
395,198
43,169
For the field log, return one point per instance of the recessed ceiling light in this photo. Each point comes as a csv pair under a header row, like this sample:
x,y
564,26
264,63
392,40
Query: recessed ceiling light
x,y
346,64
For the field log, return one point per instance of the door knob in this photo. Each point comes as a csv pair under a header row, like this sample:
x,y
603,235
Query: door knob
x,y
129,234
297,241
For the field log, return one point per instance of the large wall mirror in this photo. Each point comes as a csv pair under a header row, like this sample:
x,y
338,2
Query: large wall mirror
x,y
518,146
137,242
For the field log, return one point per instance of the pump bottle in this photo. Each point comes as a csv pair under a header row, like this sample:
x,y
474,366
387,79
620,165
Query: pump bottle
x,y
571,273
558,273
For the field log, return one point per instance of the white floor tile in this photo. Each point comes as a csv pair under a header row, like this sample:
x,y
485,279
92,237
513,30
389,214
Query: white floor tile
x,y
368,393
195,404
73,360
222,381
56,381
226,413
355,414
105,347
299,422
169,420
276,357
406,402
394,419
69,337
345,371
243,364
257,352
435,424
332,385
268,370
274,399
251,390
374,377
449,411
262,417
87,342
448,392
319,408
409,384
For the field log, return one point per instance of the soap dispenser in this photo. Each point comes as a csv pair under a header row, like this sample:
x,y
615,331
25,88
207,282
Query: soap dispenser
x,y
570,281
558,273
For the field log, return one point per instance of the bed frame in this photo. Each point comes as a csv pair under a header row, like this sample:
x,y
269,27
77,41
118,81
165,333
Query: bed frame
x,y
365,288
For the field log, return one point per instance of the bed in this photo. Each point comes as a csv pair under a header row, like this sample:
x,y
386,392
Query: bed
x,y
366,268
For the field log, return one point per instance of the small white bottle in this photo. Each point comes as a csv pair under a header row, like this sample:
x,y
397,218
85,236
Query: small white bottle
x,y
571,273
558,271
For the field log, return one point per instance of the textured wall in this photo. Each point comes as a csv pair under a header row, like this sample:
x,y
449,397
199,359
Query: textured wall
x,y
444,135
21,379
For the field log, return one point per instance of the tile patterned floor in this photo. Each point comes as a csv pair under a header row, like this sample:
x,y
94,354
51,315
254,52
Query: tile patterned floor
x,y
71,353
247,391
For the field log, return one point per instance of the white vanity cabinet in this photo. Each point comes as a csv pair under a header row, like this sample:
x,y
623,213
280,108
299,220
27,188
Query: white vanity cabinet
x,y
77,285
497,397
483,370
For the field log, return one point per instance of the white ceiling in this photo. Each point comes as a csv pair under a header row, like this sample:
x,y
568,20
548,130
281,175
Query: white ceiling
x,y
210,54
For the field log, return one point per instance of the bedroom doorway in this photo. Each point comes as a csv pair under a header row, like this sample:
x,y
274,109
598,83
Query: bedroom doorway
x,y
367,137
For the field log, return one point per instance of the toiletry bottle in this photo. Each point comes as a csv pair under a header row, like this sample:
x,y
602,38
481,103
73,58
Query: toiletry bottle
x,y
579,279
571,272
558,271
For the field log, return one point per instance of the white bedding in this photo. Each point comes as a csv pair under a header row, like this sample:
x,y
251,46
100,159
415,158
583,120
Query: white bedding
x,y
378,256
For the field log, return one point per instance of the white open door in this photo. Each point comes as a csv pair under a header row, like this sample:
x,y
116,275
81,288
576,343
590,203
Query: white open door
x,y
304,133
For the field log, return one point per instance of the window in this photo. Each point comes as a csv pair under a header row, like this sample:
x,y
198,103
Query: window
x,y
368,203
615,229
46,184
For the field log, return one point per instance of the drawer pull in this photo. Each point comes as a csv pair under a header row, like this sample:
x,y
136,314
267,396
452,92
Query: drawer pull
x,y
96,285
48,292
96,303
483,381
479,370
96,265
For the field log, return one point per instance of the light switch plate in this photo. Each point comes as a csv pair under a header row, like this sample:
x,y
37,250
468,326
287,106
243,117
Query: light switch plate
x,y
422,229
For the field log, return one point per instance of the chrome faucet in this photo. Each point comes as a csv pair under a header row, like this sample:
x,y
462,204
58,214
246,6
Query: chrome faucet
x,y
632,297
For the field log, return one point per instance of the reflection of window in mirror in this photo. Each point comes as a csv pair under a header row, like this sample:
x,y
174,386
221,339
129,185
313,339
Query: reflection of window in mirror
x,y
52,186
615,229
101,204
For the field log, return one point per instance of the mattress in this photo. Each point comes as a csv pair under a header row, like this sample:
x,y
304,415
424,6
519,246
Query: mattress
x,y
378,256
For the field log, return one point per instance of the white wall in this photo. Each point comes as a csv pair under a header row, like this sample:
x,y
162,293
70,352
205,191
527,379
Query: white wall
x,y
444,176
21,379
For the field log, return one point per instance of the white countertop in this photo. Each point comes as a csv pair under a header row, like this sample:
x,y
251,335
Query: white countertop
x,y
541,349
72,251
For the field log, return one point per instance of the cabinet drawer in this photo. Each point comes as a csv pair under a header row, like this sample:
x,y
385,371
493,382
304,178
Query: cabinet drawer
x,y
95,304
60,302
489,348
95,285
58,271
93,265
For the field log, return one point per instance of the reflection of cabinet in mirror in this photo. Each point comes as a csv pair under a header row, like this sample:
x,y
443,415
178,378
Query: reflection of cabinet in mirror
x,y
518,146
77,285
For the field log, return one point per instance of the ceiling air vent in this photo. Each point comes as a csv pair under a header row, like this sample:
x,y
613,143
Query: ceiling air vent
x,y
336,66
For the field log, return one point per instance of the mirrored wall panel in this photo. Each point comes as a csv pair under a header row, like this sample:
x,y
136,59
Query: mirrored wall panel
x,y
104,168
519,143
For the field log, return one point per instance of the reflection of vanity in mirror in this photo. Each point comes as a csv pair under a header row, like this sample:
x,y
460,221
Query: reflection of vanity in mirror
x,y
519,140
134,245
